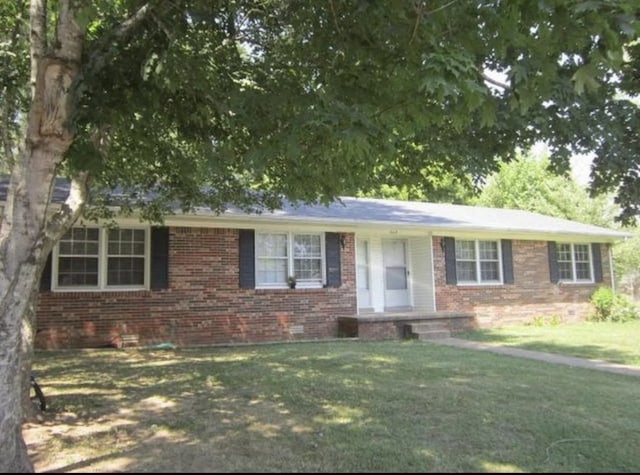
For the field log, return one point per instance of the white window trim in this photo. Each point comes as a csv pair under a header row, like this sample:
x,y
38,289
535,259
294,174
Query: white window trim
x,y
102,265
480,282
290,260
574,273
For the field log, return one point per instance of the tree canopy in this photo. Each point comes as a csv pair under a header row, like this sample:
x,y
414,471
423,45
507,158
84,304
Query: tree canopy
x,y
218,102
529,183
275,95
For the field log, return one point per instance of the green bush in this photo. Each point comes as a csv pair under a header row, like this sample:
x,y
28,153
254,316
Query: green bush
x,y
612,307
542,321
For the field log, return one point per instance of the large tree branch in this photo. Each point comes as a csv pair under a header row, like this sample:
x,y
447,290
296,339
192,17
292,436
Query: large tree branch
x,y
38,37
102,51
71,210
69,34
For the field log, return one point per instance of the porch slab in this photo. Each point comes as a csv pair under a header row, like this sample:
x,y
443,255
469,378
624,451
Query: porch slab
x,y
392,325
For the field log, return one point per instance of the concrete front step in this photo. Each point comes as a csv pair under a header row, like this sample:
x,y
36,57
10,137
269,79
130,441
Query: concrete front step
x,y
433,334
426,326
428,330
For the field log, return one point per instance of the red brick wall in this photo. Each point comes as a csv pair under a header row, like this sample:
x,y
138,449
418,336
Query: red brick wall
x,y
532,295
203,305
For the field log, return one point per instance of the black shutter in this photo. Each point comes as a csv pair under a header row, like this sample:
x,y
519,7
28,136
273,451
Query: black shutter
x,y
247,259
332,255
45,278
507,261
597,262
553,262
450,260
159,258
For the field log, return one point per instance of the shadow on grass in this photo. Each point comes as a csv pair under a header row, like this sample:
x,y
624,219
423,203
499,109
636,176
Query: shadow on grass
x,y
383,407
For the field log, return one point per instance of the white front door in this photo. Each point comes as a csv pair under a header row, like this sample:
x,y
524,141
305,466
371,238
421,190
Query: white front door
x,y
363,276
396,275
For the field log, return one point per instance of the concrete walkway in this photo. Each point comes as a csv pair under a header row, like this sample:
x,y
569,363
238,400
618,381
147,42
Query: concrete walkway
x,y
538,355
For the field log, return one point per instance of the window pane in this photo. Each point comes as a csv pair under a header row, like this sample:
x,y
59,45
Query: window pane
x,y
309,270
466,271
307,262
271,266
92,248
396,278
488,250
77,272
581,252
78,247
565,271
306,245
125,271
128,269
126,242
465,250
76,234
271,245
126,248
489,271
271,271
79,242
113,248
583,271
564,252
78,258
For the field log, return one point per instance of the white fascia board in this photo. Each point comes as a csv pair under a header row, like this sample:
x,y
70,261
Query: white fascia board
x,y
391,228
206,219
530,235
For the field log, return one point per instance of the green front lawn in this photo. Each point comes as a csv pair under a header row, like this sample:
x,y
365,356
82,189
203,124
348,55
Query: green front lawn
x,y
613,342
342,406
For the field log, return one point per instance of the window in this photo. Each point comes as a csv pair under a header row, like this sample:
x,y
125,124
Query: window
x,y
478,262
126,257
279,255
574,262
78,255
98,259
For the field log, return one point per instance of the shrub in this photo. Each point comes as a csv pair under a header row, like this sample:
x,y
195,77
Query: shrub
x,y
612,307
542,321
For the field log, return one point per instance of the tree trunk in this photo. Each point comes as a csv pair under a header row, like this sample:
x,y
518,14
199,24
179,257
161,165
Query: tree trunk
x,y
15,365
29,227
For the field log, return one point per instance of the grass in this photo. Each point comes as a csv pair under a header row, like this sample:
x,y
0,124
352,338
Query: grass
x,y
342,406
613,342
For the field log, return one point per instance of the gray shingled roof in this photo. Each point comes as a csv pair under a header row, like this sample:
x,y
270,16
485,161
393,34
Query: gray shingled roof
x,y
435,217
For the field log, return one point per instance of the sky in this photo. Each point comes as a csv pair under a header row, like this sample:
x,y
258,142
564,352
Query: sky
x,y
580,164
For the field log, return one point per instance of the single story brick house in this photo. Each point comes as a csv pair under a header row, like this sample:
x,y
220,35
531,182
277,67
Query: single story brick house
x,y
369,268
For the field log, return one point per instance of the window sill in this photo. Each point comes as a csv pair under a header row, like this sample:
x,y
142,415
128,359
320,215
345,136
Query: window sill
x,y
80,290
475,285
297,288
576,282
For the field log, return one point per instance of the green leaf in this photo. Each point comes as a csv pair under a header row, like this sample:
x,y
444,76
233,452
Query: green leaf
x,y
585,78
